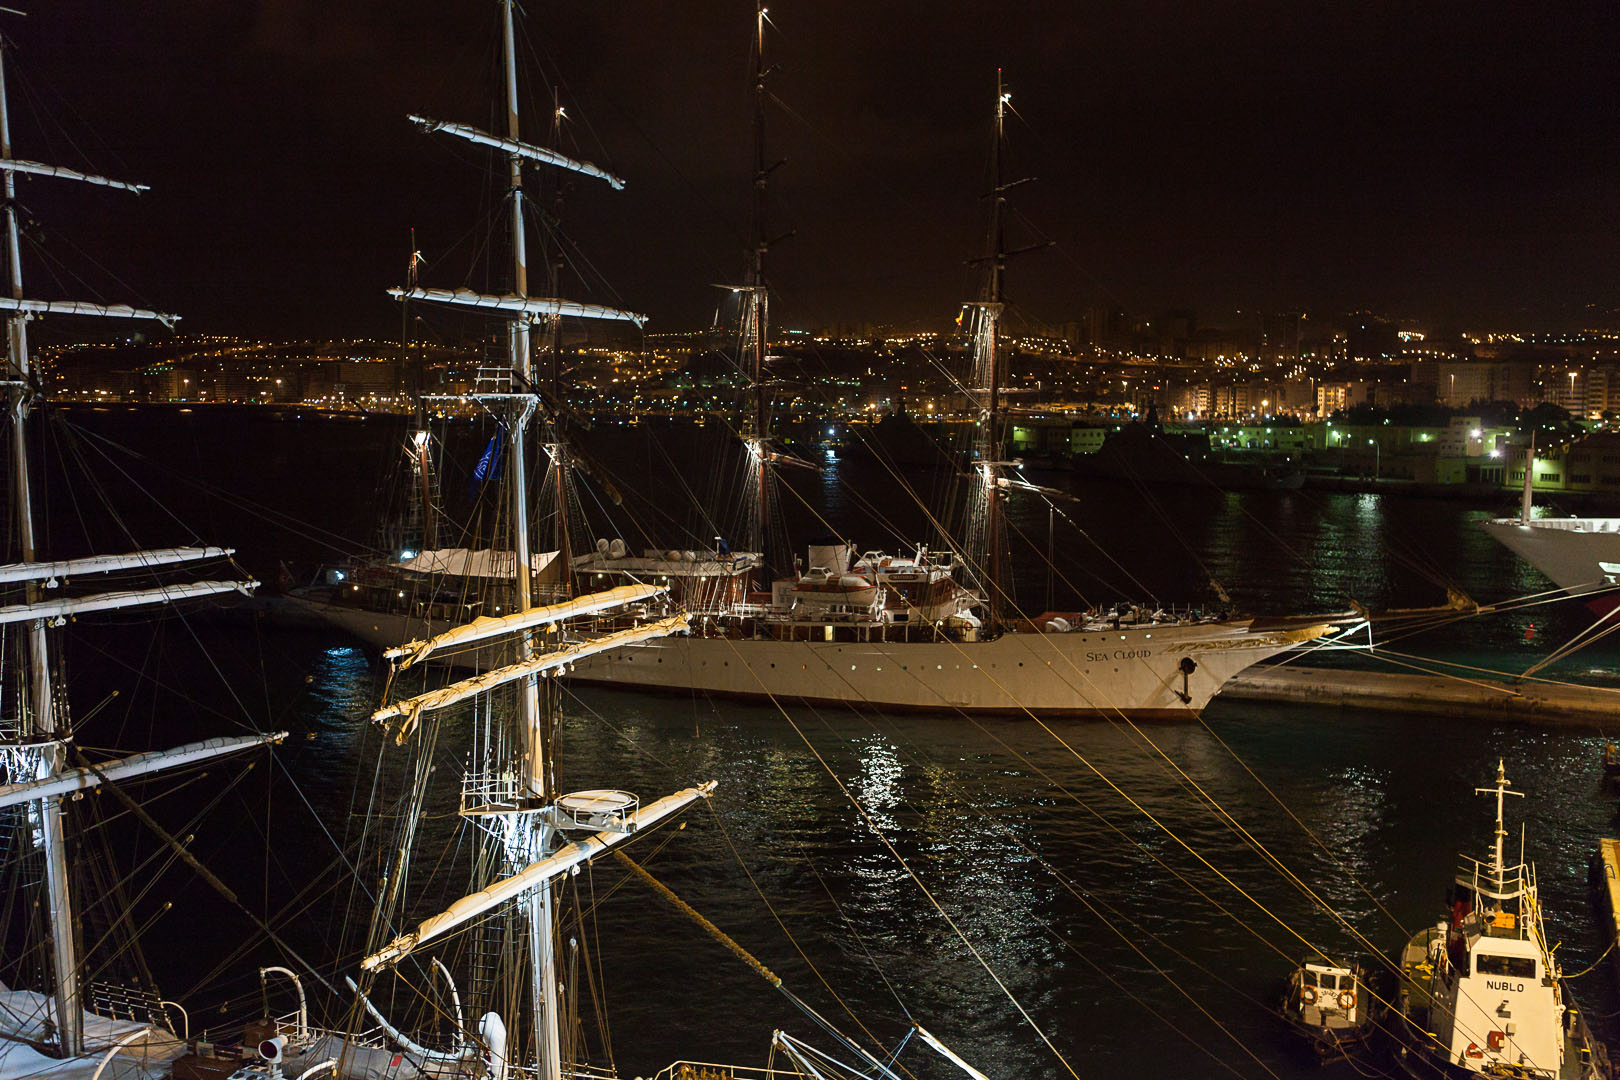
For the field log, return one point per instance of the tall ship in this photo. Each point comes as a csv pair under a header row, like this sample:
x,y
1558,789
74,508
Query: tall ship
x,y
501,965
931,628
77,995
1580,554
1481,991
927,629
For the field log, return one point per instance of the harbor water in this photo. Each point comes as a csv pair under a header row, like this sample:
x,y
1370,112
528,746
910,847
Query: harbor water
x,y
1132,896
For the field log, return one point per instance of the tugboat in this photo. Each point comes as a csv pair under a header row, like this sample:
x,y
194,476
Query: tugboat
x,y
1332,1006
1480,991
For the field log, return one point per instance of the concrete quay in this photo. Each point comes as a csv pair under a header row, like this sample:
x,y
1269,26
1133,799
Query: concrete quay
x,y
1606,875
1525,702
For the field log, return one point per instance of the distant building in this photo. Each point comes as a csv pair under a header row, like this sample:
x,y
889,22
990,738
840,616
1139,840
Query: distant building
x,y
1461,383
1602,390
1332,397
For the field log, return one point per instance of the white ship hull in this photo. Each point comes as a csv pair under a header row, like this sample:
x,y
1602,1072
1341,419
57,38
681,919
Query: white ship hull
x,y
378,629
381,630
1134,671
1581,555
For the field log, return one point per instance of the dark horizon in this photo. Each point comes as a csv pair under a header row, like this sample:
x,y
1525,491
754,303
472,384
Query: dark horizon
x,y
1456,166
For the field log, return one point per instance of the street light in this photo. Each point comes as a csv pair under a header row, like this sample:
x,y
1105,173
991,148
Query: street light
x,y
1377,455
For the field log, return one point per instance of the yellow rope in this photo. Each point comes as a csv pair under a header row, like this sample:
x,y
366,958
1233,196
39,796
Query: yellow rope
x,y
842,1004
696,916
1588,969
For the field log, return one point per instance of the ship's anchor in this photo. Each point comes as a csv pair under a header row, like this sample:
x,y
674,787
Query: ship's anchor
x,y
1188,665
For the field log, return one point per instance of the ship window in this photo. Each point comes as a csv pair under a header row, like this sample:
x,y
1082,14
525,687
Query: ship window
x,y
1328,982
1516,967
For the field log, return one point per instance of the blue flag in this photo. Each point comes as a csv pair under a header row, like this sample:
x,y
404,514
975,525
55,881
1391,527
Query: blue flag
x,y
488,467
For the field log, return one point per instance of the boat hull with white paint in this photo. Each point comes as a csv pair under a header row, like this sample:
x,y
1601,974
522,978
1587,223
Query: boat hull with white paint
x,y
1581,555
1141,672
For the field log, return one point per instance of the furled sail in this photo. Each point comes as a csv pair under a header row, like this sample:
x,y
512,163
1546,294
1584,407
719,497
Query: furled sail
x,y
84,307
536,306
39,168
164,594
70,780
412,708
519,148
101,564
530,877
491,625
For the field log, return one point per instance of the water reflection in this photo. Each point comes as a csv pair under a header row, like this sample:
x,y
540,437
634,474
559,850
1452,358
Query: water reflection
x,y
990,817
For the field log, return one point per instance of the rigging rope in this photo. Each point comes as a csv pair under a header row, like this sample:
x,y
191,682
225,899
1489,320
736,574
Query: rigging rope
x,y
1588,968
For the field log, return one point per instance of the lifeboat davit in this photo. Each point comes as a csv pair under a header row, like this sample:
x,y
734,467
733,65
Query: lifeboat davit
x,y
823,588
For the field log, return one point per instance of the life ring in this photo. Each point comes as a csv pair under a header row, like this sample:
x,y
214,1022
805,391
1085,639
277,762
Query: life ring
x,y
1474,1051
1347,1000
1307,994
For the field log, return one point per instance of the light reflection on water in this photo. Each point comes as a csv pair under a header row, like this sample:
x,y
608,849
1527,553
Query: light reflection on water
x,y
980,813
975,818
998,820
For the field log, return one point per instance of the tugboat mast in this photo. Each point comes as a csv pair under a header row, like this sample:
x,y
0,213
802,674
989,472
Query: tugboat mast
x,y
1501,790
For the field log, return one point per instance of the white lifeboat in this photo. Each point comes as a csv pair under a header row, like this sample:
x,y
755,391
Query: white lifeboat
x,y
823,588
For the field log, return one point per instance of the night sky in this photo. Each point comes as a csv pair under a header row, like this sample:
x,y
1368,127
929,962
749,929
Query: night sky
x,y
1453,162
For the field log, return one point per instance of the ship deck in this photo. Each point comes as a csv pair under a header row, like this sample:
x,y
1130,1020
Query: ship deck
x,y
1415,1001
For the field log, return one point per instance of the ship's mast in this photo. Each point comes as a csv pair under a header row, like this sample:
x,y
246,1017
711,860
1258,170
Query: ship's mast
x,y
988,359
42,749
756,312
555,266
560,462
1526,496
523,820
421,439
1500,790
533,723
41,700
